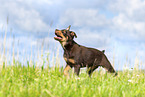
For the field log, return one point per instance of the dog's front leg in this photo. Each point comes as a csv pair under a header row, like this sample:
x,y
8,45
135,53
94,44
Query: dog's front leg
x,y
77,70
66,70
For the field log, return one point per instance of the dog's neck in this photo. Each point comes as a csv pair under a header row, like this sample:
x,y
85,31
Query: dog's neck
x,y
68,46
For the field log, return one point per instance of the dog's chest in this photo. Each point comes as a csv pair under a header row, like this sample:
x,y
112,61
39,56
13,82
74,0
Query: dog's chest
x,y
69,58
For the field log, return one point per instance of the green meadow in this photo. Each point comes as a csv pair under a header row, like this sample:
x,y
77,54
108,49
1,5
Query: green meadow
x,y
26,81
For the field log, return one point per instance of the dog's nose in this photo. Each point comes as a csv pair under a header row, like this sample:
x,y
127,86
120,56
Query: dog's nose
x,y
56,31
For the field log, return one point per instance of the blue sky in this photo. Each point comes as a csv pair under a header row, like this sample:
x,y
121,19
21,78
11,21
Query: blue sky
x,y
118,26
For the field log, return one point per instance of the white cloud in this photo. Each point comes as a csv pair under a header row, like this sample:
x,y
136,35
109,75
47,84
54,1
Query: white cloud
x,y
30,21
84,18
130,20
127,7
23,16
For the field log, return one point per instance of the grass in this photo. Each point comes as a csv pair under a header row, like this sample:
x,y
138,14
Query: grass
x,y
25,81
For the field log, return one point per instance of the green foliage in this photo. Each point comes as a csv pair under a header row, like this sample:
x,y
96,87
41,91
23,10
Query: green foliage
x,y
24,81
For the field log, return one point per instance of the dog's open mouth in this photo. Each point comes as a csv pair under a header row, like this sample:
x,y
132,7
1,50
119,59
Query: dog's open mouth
x,y
58,37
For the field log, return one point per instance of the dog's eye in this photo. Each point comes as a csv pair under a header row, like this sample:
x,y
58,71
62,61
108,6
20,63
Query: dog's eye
x,y
64,32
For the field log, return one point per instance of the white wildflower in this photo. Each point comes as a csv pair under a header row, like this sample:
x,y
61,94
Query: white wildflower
x,y
129,80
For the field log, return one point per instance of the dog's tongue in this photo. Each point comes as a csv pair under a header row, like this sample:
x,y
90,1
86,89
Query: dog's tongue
x,y
58,38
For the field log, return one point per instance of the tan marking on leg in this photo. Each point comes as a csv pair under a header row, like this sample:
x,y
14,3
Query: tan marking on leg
x,y
65,72
71,61
65,59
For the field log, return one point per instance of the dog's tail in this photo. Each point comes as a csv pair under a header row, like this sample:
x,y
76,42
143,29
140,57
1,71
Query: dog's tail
x,y
103,51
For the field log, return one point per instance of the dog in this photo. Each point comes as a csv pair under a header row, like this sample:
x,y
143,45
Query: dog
x,y
78,56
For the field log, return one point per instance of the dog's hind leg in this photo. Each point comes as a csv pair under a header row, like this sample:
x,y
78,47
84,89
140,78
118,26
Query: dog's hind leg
x,y
107,65
92,69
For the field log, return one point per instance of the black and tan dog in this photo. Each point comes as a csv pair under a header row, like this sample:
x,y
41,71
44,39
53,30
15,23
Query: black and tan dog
x,y
78,56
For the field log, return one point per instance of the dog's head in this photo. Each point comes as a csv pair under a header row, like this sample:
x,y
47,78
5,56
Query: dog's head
x,y
64,35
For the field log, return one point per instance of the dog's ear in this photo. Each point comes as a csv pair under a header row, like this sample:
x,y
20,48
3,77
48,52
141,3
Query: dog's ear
x,y
68,28
73,34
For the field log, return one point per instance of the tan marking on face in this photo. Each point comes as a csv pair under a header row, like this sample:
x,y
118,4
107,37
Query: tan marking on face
x,y
64,39
66,70
63,42
59,32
